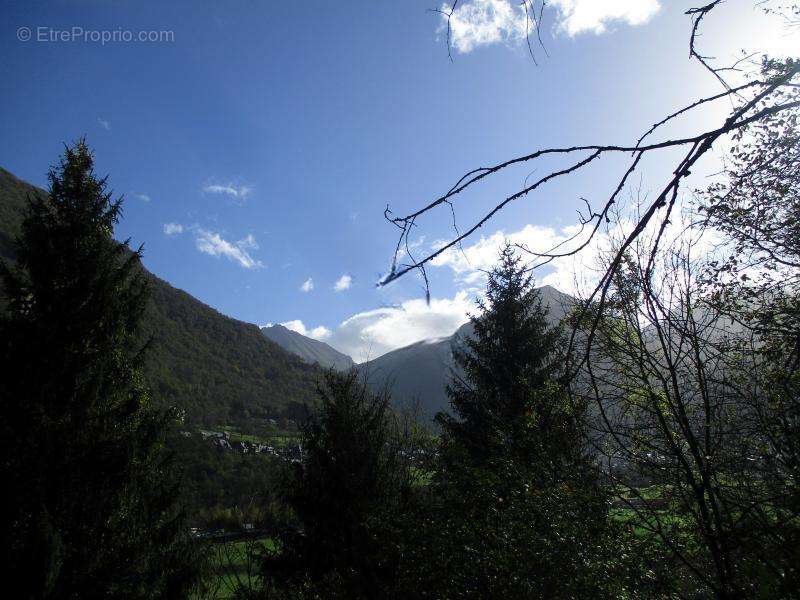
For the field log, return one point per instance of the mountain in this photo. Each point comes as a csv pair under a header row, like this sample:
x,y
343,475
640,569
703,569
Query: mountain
x,y
416,373
217,369
421,371
13,194
310,350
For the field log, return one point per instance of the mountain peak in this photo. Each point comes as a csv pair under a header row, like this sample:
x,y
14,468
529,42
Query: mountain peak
x,y
310,350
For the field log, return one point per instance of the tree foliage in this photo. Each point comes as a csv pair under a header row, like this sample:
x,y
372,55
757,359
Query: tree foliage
x,y
697,387
347,494
515,508
88,508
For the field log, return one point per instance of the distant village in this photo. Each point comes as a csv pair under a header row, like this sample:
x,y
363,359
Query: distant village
x,y
290,452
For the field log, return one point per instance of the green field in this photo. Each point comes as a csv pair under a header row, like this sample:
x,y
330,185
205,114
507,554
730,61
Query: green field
x,y
278,439
233,566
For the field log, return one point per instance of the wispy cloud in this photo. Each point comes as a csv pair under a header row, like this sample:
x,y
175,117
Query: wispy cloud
x,y
104,124
229,189
343,283
213,243
318,333
173,228
484,22
307,286
593,16
142,197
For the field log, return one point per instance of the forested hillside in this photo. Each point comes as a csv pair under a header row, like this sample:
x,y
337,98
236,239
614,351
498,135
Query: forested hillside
x,y
218,369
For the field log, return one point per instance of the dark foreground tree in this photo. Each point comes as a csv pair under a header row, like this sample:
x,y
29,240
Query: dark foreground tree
x,y
348,494
699,431
756,284
516,509
88,510
699,384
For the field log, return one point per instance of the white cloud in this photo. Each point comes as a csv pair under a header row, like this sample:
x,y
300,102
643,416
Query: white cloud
x,y
470,263
343,283
367,335
104,124
571,275
212,243
582,16
142,197
318,333
229,189
173,228
484,22
307,286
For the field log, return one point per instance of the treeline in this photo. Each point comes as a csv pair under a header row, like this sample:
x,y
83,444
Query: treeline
x,y
217,369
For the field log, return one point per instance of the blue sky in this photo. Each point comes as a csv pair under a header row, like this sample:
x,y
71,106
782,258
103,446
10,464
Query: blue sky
x,y
258,145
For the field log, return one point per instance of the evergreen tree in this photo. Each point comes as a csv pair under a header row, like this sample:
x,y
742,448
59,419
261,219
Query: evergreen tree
x,y
88,509
512,366
348,494
515,508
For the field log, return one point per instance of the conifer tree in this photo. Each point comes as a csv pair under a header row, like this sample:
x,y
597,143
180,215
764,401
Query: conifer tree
x,y
348,494
510,400
516,510
88,510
